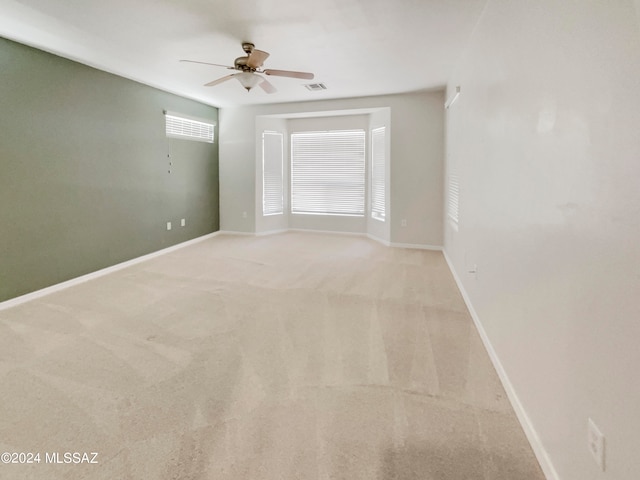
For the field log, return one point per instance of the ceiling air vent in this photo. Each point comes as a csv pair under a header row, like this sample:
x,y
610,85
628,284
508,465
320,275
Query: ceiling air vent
x,y
316,87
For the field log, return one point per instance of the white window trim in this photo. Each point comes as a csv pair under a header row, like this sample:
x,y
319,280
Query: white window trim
x,y
453,199
378,213
269,207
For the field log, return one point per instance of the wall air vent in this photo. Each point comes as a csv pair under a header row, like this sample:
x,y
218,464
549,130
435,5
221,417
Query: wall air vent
x,y
316,87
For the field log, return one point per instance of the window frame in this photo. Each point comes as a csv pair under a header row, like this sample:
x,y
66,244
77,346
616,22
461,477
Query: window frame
x,y
279,210
453,198
378,168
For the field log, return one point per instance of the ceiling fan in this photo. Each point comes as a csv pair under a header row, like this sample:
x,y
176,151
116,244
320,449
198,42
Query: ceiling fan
x,y
248,68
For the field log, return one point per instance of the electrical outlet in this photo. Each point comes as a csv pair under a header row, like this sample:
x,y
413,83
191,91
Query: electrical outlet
x,y
183,222
403,222
595,441
168,225
244,214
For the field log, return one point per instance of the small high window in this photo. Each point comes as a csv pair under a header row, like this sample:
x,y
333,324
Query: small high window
x,y
189,128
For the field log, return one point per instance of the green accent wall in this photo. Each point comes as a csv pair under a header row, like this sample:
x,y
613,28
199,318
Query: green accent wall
x,y
85,180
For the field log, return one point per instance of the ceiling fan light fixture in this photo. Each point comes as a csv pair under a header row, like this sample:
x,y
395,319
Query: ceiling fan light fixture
x,y
248,67
248,80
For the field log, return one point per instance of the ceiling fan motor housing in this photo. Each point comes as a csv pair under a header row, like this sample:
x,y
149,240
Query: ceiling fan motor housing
x,y
240,63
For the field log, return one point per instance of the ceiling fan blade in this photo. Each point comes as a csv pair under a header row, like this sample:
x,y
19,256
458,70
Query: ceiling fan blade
x,y
207,63
267,86
256,58
288,73
220,80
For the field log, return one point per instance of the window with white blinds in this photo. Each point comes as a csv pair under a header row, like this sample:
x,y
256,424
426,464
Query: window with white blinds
x,y
272,174
453,197
378,170
328,172
188,129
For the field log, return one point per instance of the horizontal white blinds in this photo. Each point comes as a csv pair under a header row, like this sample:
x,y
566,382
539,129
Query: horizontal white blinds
x,y
328,172
378,169
272,171
189,129
453,197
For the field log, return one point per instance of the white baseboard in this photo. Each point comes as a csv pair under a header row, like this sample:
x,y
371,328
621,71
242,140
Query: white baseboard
x,y
233,232
384,242
334,232
358,234
538,449
436,248
271,232
12,302
322,232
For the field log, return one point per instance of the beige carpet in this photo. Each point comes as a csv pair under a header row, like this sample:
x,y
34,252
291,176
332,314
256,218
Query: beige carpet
x,y
294,356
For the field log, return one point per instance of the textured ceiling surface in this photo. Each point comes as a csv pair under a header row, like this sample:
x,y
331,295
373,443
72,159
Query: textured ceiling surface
x,y
355,47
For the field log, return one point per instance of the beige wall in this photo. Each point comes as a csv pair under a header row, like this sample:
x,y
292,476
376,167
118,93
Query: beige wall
x,y
545,141
417,137
416,145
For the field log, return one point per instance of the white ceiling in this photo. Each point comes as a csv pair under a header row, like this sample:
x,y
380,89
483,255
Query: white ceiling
x,y
355,47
